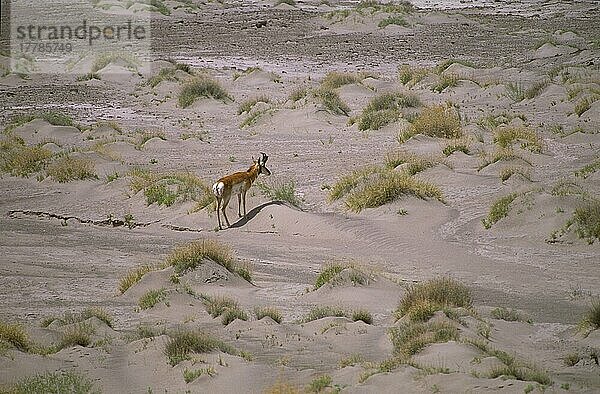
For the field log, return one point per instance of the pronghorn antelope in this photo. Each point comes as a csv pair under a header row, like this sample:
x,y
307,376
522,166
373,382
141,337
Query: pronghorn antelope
x,y
238,183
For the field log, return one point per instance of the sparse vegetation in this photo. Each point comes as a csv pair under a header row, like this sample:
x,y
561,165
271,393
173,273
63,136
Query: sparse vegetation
x,y
415,163
437,121
134,276
332,101
499,210
231,314
298,94
582,106
445,81
68,168
144,136
247,105
182,343
336,79
362,315
423,299
397,20
191,375
319,384
457,145
78,334
410,76
54,383
105,59
19,159
508,172
588,169
571,359
587,220
384,109
320,312
505,137
188,256
151,298
443,66
351,360
506,314
15,335
280,190
269,311
202,86
166,189
410,338
328,272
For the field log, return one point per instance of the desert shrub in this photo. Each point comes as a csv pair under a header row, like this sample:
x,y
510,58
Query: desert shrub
x,y
332,101
422,299
587,220
54,383
269,311
457,145
507,172
133,276
499,210
231,314
282,388
445,81
387,187
79,334
15,335
319,384
506,314
247,105
362,315
505,137
320,312
437,121
151,298
280,190
348,182
588,169
19,159
199,87
415,162
392,20
67,169
410,338
188,256
408,75
182,343
217,305
328,272
384,109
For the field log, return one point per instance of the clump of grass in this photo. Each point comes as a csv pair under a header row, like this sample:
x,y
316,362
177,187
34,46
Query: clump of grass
x,y
166,189
231,314
501,154
152,297
298,94
445,81
587,220
457,145
73,318
397,20
499,210
336,79
588,169
165,74
19,159
388,186
350,181
423,299
582,106
280,190
571,359
217,305
145,136
79,334
521,373
134,276
319,384
437,121
362,315
507,172
408,75
252,118
328,273
351,360
410,338
191,375
271,312
515,91
247,105
443,66
15,335
415,163
105,59
384,109
535,89
332,101
506,314
54,383
187,257
505,137
89,77
182,343
320,312
199,87
68,168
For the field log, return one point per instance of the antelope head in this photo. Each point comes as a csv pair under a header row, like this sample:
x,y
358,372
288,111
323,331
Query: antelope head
x,y
262,162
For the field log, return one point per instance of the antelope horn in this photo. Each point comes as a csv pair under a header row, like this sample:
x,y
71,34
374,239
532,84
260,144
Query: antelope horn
x,y
264,157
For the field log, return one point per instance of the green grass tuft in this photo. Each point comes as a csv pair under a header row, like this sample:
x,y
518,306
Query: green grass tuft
x,y
166,189
397,20
499,210
415,163
152,297
410,338
507,172
79,334
362,315
217,305
422,299
231,314
15,335
328,272
199,87
247,105
105,59
332,101
588,169
319,384
182,343
587,220
67,169
279,190
54,383
19,159
445,81
269,311
457,145
134,276
505,137
506,314
384,109
437,121
320,312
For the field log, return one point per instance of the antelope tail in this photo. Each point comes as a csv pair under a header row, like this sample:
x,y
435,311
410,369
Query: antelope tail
x,y
218,189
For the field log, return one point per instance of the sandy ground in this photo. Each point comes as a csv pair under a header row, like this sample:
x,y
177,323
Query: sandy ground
x,y
60,254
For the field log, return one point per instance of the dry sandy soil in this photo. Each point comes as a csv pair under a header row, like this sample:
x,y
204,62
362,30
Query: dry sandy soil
x,y
65,247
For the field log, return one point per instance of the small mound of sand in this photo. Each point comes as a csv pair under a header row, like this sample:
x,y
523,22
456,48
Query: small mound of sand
x,y
548,50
